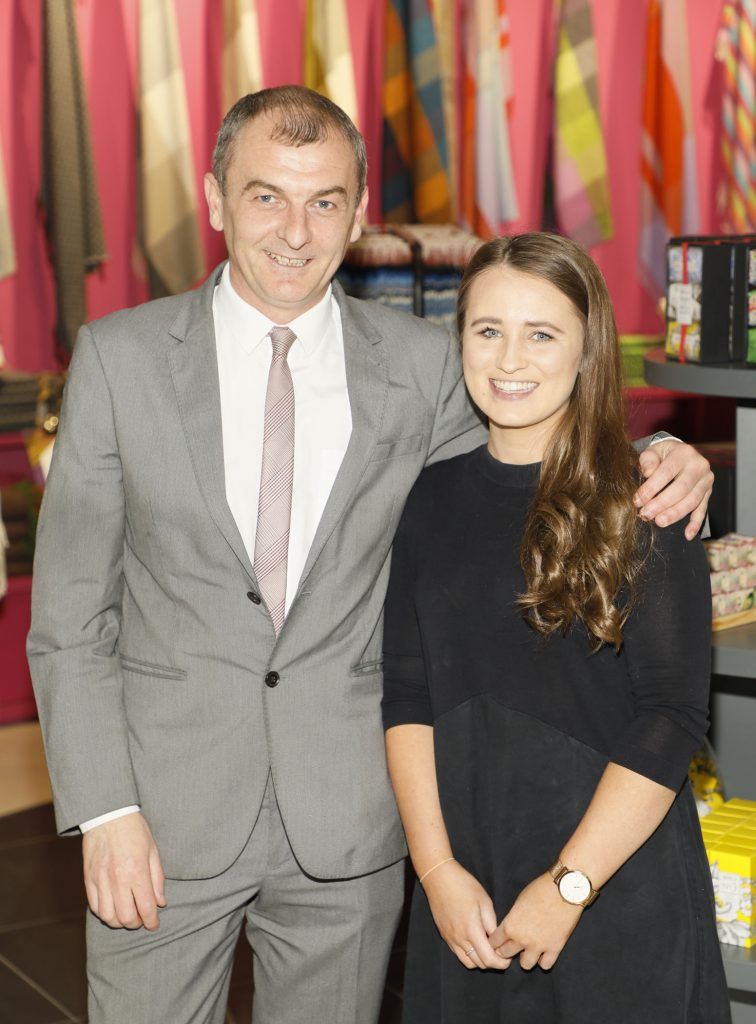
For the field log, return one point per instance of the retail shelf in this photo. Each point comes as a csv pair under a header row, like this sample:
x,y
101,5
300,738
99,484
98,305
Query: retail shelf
x,y
740,967
734,651
722,379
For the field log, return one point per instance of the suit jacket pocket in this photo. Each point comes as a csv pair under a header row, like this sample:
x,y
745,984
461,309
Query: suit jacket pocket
x,y
146,668
367,668
403,446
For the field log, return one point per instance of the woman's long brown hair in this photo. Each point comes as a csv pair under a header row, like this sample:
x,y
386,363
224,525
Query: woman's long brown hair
x,y
583,544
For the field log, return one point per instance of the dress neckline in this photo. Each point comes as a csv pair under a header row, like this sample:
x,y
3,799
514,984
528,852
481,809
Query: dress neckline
x,y
507,474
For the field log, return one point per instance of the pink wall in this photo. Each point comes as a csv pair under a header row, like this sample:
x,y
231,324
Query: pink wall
x,y
108,44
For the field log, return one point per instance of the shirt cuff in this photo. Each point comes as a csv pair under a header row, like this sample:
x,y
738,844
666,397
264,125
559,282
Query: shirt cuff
x,y
121,812
662,435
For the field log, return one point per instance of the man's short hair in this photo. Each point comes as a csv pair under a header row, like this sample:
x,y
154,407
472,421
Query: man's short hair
x,y
302,116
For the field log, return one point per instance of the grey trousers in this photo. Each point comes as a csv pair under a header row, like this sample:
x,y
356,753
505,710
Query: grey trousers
x,y
320,949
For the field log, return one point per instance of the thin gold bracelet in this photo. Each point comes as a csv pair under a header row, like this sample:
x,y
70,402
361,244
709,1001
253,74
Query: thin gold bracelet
x,y
423,877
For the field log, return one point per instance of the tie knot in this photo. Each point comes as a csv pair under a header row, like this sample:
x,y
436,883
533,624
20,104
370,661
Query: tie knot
x,y
283,338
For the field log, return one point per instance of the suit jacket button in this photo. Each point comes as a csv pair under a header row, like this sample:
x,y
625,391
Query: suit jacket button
x,y
254,598
272,679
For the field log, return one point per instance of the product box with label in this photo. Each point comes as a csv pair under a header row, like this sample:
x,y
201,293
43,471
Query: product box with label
x,y
729,835
751,300
707,298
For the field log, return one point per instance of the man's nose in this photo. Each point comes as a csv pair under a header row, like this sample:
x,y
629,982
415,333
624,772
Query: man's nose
x,y
294,228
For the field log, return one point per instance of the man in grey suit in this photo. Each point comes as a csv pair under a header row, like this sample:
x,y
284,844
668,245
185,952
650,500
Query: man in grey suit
x,y
211,565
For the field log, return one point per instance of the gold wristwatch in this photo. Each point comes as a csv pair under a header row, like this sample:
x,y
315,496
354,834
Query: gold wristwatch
x,y
574,886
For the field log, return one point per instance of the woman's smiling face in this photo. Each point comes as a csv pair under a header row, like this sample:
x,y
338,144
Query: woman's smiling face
x,y
521,350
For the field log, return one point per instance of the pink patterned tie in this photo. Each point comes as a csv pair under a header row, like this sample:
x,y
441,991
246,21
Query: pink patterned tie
x,y
276,480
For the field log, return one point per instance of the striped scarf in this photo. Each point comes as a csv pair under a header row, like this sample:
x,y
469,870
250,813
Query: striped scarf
x,y
169,209
737,51
488,196
7,244
241,60
416,180
669,187
581,184
329,68
69,186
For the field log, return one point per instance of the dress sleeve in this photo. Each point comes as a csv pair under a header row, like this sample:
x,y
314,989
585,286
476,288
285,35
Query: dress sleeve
x,y
406,699
668,653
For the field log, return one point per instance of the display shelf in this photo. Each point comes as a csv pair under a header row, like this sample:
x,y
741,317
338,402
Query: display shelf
x,y
740,967
734,652
721,379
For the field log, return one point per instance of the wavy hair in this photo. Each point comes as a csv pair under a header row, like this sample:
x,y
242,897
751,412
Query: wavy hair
x,y
583,545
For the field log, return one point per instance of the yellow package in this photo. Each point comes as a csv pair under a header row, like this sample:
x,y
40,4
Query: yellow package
x,y
729,835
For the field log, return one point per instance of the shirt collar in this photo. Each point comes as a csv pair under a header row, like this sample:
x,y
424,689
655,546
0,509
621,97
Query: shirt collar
x,y
251,327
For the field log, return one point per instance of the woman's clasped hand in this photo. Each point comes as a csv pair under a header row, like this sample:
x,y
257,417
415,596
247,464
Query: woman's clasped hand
x,y
535,929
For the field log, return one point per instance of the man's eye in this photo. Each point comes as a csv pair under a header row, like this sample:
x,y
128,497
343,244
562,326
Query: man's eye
x,y
266,200
324,204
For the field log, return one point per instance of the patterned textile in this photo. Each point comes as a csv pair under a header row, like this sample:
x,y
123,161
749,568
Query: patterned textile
x,y
242,64
446,25
69,186
669,187
415,268
328,65
737,51
7,245
169,210
488,197
581,185
416,182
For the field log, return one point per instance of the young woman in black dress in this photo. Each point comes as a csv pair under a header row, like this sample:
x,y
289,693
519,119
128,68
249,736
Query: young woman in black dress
x,y
546,683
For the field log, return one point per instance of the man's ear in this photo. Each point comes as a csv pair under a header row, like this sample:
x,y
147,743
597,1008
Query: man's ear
x,y
214,198
359,216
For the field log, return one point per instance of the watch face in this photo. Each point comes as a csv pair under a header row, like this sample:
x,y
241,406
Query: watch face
x,y
575,887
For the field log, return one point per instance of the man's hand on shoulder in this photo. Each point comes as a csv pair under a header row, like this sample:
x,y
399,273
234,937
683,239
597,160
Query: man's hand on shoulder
x,y
678,483
123,876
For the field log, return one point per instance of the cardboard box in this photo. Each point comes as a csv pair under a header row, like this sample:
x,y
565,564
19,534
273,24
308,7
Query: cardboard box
x,y
729,835
708,298
750,354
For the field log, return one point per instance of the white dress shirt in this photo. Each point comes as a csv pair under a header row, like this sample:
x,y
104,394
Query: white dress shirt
x,y
322,422
322,416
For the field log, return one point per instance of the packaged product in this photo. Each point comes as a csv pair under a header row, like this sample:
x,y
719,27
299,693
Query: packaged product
x,y
709,298
730,552
729,834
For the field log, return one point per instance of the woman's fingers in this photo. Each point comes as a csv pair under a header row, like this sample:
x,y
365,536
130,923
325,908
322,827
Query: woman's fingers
x,y
509,948
547,960
488,917
469,958
479,955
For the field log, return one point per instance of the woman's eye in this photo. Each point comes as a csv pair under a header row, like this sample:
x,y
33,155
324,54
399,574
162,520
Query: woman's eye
x,y
490,332
542,336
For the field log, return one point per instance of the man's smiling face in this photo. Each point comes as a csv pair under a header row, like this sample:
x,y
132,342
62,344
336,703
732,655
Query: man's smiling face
x,y
288,214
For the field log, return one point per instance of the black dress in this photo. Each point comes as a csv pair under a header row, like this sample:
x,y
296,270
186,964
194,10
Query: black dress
x,y
523,729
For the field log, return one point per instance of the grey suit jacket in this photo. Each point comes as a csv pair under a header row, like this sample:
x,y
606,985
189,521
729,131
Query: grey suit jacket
x,y
148,659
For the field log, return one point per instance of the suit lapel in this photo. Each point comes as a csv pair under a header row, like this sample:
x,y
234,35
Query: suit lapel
x,y
194,368
367,385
